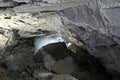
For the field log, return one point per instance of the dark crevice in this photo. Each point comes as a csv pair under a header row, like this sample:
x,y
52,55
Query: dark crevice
x,y
21,3
89,63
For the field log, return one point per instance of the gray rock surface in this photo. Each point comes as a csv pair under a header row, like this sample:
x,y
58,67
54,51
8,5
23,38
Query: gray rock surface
x,y
19,58
49,61
20,1
97,26
64,77
66,66
7,4
93,22
43,75
6,39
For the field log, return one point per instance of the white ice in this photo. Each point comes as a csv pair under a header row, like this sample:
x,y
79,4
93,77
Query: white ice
x,y
45,40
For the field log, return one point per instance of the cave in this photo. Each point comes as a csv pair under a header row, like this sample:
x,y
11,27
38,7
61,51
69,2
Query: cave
x,y
59,40
52,58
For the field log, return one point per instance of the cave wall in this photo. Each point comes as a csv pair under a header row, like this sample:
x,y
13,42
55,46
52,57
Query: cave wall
x,y
95,23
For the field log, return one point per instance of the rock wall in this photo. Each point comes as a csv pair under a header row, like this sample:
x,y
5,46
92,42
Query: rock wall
x,y
95,23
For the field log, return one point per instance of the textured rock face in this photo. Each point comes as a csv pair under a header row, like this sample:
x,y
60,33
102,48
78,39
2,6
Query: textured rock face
x,y
6,39
93,22
64,77
96,24
19,58
66,66
43,75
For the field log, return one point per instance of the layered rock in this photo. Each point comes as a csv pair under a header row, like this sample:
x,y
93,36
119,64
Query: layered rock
x,y
93,22
97,26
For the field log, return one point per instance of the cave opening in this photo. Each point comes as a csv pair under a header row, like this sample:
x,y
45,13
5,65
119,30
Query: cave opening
x,y
51,55
59,58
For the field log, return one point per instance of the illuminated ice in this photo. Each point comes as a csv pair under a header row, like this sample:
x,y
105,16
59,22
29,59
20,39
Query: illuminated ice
x,y
45,40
